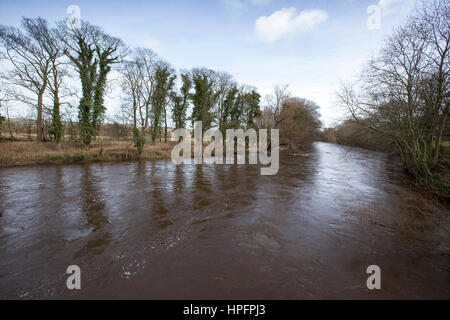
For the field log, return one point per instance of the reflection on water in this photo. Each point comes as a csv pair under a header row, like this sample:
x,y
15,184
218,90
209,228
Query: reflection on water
x,y
156,230
93,207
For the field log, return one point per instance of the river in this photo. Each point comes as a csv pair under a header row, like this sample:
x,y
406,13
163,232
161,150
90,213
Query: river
x,y
154,230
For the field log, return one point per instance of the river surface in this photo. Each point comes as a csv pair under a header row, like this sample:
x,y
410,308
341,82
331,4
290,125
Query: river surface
x,y
154,230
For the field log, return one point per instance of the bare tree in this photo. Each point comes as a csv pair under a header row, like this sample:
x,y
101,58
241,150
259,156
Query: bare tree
x,y
432,25
275,102
138,84
298,122
266,120
57,87
30,52
403,93
3,100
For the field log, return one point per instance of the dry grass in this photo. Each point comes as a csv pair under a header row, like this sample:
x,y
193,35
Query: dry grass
x,y
22,153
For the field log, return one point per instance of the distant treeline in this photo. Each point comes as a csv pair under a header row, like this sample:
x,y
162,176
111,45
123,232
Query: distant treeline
x,y
42,60
354,134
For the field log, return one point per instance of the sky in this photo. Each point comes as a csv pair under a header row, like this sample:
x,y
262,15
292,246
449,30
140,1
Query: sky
x,y
311,45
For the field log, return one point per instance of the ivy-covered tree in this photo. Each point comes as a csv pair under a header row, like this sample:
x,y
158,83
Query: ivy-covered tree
x,y
241,108
93,53
228,106
164,82
56,124
181,102
237,112
253,109
204,97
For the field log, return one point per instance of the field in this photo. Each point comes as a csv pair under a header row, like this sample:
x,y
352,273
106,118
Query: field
x,y
22,153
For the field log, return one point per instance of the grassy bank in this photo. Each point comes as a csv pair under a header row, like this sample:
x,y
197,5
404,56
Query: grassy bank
x,y
23,153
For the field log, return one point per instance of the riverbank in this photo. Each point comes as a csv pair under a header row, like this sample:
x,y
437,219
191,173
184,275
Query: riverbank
x,y
28,153
25,153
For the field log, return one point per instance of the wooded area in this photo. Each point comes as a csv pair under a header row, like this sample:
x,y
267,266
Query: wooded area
x,y
401,100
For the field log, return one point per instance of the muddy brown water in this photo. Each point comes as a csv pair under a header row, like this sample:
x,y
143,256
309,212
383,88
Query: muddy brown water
x,y
153,230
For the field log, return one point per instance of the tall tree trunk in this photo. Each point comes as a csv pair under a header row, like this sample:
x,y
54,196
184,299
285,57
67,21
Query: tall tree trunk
x,y
1,121
39,115
165,126
437,147
9,124
147,115
153,134
56,121
134,114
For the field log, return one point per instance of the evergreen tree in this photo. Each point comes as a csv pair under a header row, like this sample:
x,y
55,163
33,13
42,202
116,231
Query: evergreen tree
x,y
164,82
204,98
253,109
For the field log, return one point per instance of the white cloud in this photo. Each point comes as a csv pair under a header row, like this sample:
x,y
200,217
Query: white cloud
x,y
287,23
